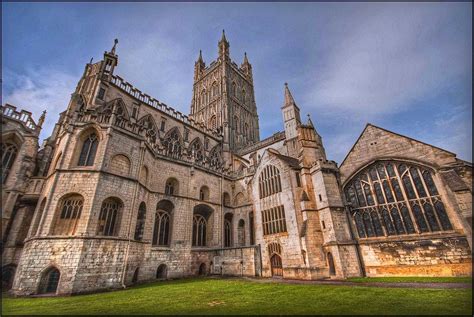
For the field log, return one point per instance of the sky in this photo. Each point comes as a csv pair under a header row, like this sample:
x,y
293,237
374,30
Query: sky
x,y
406,67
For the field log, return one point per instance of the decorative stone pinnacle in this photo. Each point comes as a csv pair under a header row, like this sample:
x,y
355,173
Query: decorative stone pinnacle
x,y
113,47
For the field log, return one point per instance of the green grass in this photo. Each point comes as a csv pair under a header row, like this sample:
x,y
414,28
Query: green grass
x,y
411,279
231,296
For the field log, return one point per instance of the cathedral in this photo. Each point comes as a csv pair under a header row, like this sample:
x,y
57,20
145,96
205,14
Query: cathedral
x,y
128,190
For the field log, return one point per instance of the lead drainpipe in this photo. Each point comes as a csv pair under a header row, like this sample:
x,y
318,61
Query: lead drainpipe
x,y
124,269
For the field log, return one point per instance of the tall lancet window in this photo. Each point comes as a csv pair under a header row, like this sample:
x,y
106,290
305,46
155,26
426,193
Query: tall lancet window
x,y
88,151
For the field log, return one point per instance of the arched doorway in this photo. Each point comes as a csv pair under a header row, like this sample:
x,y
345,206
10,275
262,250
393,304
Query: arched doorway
x,y
49,281
135,276
277,268
8,273
161,272
332,268
274,250
202,269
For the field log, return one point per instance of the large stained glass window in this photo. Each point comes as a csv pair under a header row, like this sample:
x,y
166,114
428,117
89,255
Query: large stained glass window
x,y
396,198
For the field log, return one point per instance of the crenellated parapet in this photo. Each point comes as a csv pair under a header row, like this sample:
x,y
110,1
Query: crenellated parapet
x,y
24,117
120,83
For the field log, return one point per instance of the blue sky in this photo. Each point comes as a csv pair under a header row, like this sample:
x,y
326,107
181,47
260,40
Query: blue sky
x,y
406,67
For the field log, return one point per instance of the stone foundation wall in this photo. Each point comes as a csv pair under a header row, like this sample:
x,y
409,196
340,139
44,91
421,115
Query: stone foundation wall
x,y
443,256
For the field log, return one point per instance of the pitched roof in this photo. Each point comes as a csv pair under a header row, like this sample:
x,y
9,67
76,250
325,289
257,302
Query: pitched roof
x,y
400,135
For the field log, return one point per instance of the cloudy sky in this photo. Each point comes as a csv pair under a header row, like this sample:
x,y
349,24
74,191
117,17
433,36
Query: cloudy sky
x,y
403,66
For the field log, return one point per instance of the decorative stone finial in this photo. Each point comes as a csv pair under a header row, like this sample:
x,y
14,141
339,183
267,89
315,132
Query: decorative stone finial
x,y
41,119
115,45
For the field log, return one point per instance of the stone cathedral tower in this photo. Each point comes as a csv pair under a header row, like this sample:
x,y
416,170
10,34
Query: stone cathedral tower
x,y
224,99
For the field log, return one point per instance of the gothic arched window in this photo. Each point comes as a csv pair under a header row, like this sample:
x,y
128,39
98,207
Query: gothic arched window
x,y
204,193
88,151
171,187
195,150
398,195
228,230
9,151
215,157
203,97
236,123
69,213
199,230
244,96
172,143
213,123
215,89
161,230
140,226
234,89
269,182
201,216
151,130
109,218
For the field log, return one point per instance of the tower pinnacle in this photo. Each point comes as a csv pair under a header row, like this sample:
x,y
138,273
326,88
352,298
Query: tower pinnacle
x,y
112,51
288,97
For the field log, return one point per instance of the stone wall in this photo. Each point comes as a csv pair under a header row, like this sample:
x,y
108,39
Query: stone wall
x,y
428,256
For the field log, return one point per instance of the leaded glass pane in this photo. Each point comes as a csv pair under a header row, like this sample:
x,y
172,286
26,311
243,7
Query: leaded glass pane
x,y
397,220
368,195
378,192
430,216
377,224
373,174
408,187
442,215
417,180
420,220
388,191
359,194
381,171
430,183
397,189
368,225
390,170
352,197
407,220
360,225
388,222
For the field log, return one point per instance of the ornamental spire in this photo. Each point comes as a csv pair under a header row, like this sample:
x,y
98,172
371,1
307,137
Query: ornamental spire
x,y
288,97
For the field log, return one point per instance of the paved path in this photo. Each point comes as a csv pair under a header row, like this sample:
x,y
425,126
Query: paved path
x,y
363,284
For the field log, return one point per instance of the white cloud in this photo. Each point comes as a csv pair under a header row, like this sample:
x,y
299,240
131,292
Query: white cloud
x,y
388,59
39,90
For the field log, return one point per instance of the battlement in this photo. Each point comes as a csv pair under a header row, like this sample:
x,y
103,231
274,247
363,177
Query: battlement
x,y
23,116
278,136
120,83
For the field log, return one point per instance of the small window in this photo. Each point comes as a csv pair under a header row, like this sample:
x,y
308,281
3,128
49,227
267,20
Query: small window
x,y
320,197
101,94
204,193
186,135
323,224
163,125
134,112
140,226
298,180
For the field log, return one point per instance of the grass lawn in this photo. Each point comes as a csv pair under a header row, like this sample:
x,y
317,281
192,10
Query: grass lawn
x,y
232,296
417,279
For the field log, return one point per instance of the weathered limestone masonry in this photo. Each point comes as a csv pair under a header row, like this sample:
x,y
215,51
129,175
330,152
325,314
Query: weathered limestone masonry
x,y
128,190
436,246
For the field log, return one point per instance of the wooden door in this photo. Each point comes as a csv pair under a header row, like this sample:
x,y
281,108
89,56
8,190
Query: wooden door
x,y
277,268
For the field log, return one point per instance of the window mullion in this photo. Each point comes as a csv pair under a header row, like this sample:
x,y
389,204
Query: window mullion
x,y
407,202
